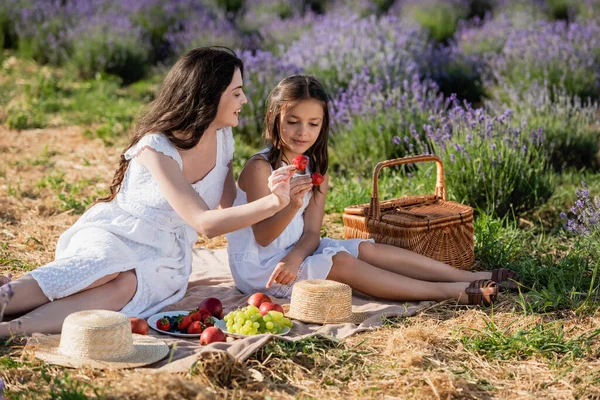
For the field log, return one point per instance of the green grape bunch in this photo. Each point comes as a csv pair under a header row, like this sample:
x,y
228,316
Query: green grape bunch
x,y
249,321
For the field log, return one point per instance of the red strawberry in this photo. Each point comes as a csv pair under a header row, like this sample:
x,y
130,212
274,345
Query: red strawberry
x,y
317,179
198,314
184,322
163,324
195,327
208,321
300,162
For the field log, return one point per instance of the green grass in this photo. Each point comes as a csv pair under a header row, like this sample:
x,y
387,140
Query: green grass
x,y
14,264
37,97
547,340
336,361
72,196
60,387
9,363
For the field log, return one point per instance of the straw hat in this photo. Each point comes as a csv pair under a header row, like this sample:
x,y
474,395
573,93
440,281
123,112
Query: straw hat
x,y
98,339
323,302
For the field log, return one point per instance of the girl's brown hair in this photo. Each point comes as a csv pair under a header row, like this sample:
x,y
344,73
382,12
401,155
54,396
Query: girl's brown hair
x,y
288,92
187,102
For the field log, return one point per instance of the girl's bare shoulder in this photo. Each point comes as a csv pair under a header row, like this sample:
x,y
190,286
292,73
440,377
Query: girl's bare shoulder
x,y
256,169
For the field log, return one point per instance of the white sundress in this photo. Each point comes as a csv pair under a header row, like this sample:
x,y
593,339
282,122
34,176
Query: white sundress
x,y
252,264
137,230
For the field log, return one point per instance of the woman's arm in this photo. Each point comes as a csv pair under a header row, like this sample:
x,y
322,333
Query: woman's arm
x,y
229,190
252,181
192,208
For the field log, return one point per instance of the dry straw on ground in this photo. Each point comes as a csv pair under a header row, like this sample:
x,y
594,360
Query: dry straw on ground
x,y
419,357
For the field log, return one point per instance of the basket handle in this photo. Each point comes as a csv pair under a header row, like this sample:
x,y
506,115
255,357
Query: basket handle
x,y
440,186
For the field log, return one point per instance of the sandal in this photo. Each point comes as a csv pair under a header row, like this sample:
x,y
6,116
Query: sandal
x,y
507,279
478,292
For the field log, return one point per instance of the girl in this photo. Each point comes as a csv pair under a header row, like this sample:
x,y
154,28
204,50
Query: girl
x,y
285,248
132,251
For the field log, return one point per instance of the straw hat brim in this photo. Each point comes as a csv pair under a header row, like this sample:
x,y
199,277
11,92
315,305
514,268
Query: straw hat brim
x,y
355,318
147,350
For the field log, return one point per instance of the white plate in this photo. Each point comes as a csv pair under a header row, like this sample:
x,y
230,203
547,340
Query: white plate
x,y
222,325
153,319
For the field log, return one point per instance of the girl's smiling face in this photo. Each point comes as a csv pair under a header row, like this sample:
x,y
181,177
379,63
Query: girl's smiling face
x,y
300,126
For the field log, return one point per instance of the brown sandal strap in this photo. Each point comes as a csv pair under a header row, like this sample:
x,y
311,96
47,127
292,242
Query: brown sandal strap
x,y
506,278
478,292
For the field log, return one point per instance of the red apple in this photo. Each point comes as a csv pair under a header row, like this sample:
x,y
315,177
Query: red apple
x,y
214,306
268,306
257,299
212,334
139,326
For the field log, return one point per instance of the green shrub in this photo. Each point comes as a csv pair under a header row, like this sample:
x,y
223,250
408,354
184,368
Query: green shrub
x,y
21,118
492,164
440,18
571,126
106,49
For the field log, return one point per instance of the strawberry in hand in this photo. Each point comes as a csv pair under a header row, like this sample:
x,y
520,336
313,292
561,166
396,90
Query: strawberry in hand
x,y
317,179
300,162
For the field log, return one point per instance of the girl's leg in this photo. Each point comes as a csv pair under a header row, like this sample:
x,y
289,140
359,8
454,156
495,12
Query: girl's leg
x,y
28,295
378,282
414,265
48,318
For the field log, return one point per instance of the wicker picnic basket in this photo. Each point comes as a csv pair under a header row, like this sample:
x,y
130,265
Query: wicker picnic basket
x,y
428,225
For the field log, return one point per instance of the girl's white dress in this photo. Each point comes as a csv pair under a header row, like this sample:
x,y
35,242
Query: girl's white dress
x,y
252,264
137,230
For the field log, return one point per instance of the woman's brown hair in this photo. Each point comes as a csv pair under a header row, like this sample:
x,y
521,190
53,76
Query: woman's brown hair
x,y
187,102
288,92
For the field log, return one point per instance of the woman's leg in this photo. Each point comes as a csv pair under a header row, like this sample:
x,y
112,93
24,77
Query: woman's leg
x,y
27,294
48,318
378,282
414,265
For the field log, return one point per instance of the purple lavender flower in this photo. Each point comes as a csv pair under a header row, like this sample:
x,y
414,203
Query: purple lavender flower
x,y
586,213
555,54
384,49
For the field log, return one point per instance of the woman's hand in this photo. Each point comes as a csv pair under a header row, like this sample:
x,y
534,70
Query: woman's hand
x,y
279,183
285,272
299,186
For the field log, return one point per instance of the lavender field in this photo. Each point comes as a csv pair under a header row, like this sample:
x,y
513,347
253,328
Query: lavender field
x,y
506,92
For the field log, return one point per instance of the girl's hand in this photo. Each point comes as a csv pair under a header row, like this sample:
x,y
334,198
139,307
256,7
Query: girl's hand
x,y
299,186
279,183
285,272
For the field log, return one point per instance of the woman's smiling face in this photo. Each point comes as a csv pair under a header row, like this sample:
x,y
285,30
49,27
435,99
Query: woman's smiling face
x,y
231,102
